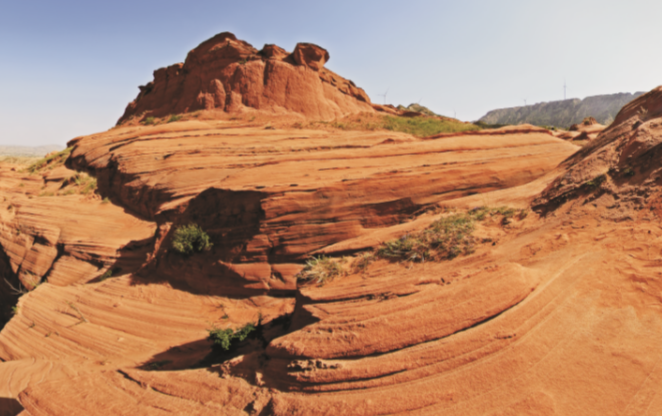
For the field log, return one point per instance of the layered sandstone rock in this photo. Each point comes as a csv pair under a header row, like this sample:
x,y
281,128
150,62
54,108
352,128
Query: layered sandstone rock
x,y
270,198
227,74
620,168
523,328
553,315
65,239
588,129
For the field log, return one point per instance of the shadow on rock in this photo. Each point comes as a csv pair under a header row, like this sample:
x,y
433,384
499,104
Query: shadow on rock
x,y
236,264
8,296
10,407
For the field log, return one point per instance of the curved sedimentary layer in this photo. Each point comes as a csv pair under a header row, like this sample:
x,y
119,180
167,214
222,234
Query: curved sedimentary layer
x,y
573,344
269,198
553,315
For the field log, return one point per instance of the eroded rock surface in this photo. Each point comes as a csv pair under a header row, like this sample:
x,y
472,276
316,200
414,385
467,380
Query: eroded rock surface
x,y
229,75
270,198
554,313
621,164
65,239
589,129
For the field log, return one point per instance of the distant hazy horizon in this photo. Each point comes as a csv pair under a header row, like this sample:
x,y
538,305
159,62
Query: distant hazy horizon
x,y
71,67
29,151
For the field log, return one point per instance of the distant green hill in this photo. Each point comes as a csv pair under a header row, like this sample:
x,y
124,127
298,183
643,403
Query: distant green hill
x,y
563,113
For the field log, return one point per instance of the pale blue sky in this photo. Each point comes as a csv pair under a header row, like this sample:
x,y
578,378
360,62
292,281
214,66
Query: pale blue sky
x,y
70,67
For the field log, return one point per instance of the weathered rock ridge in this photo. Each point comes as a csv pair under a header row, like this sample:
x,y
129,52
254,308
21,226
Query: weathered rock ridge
x,y
621,163
227,74
270,198
552,314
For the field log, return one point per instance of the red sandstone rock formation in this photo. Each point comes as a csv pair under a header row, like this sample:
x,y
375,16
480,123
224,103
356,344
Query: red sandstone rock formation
x,y
268,198
587,130
552,315
622,162
228,74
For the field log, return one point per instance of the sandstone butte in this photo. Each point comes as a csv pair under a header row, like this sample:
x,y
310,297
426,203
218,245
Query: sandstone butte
x,y
557,312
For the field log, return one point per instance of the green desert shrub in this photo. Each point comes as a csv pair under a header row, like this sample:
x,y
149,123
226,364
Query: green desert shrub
x,y
190,239
226,338
174,118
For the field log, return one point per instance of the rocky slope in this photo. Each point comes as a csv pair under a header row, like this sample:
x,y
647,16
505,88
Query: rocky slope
x,y
267,198
554,313
588,129
562,113
621,164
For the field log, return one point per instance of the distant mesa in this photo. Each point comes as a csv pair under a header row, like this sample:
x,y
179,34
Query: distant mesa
x,y
229,75
565,113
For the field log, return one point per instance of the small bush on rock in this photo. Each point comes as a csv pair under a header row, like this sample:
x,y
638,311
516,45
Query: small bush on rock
x,y
321,270
225,338
190,239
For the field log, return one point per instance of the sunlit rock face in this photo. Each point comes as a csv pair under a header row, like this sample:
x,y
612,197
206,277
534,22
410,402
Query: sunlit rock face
x,y
229,75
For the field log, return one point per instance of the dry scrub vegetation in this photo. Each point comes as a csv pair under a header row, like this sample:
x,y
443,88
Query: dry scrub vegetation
x,y
446,238
81,183
50,161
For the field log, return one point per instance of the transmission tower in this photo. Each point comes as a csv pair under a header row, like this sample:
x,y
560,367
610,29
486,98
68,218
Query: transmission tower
x,y
384,95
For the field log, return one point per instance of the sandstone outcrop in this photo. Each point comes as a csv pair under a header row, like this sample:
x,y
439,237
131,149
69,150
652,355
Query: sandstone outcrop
x,y
229,75
553,313
588,129
620,167
270,198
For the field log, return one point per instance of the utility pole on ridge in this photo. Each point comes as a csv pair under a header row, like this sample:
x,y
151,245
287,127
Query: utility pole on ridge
x,y
564,88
